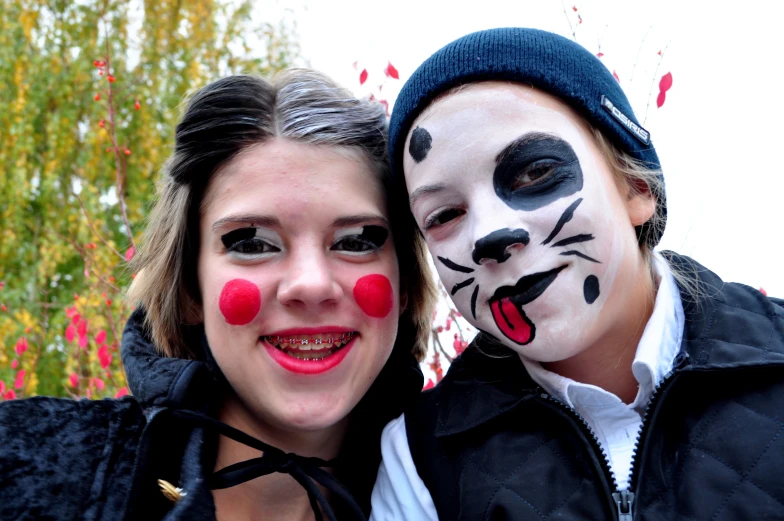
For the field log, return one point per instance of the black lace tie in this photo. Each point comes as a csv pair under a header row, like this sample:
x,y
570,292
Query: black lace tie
x,y
307,471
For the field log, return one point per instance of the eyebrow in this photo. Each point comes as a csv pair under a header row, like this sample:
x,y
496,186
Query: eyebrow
x,y
523,140
424,190
262,220
353,220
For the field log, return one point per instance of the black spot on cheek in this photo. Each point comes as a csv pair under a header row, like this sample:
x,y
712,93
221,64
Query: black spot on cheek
x,y
591,289
420,144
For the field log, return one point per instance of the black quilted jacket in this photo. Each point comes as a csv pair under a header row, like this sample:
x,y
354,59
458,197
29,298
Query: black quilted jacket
x,y
490,444
63,459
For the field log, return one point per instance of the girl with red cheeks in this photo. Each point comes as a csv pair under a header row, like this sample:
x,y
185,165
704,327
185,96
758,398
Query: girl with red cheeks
x,y
609,380
283,305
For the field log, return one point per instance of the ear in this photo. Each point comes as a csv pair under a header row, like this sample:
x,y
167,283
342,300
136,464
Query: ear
x,y
640,205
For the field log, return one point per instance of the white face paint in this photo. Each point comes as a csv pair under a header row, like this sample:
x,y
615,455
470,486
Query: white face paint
x,y
523,218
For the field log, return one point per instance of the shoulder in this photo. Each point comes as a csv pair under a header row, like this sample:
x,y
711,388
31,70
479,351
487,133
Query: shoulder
x,y
56,455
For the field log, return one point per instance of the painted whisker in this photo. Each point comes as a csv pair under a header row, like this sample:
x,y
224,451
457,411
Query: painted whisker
x,y
460,285
454,266
566,216
473,301
581,255
574,239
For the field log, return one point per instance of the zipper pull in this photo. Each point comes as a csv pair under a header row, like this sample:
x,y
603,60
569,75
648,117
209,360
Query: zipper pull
x,y
624,500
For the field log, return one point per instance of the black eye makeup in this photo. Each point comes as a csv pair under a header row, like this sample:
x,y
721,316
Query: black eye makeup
x,y
536,170
360,240
247,242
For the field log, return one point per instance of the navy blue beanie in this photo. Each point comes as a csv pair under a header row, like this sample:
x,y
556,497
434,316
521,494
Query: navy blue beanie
x,y
547,61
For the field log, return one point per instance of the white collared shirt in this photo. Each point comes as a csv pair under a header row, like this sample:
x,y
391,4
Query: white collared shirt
x,y
615,423
400,493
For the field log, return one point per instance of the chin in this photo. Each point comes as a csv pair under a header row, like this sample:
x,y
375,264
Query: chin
x,y
312,416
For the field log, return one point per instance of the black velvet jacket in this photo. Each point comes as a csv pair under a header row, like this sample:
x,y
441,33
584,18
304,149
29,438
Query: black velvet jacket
x,y
101,460
490,444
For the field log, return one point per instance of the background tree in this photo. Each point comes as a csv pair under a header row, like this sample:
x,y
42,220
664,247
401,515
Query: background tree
x,y
90,96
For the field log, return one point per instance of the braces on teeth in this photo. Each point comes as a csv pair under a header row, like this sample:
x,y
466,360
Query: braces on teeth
x,y
342,339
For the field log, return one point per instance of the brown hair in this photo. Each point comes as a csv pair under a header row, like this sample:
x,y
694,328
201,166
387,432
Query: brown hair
x,y
223,119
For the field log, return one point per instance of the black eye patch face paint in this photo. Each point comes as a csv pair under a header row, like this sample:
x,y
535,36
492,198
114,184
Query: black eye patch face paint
x,y
420,144
536,170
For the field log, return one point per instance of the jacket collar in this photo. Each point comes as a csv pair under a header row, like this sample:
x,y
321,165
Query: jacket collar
x,y
727,326
156,380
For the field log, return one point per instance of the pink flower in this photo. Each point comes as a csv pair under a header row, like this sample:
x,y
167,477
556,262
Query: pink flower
x,y
83,341
100,338
104,357
81,328
428,385
19,382
74,380
21,346
123,391
10,395
130,252
14,363
99,384
2,387
70,333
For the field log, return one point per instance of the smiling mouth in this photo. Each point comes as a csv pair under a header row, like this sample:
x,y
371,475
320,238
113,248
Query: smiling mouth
x,y
310,347
507,303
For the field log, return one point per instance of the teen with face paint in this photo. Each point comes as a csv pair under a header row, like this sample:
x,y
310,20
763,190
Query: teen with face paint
x,y
607,381
284,303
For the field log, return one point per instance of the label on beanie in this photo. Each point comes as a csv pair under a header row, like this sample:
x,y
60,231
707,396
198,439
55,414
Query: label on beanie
x,y
639,132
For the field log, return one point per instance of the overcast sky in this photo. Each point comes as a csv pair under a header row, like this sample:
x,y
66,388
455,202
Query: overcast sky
x,y
719,134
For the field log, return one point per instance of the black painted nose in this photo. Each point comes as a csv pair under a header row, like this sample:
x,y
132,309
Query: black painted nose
x,y
494,245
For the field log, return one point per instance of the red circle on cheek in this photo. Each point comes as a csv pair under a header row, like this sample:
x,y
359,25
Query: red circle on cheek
x,y
240,301
373,293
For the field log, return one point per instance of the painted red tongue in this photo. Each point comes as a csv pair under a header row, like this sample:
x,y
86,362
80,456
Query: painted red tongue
x,y
511,321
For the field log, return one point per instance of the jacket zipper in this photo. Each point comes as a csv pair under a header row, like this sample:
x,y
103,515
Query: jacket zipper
x,y
621,501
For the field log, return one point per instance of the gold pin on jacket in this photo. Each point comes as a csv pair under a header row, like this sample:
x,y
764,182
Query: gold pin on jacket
x,y
171,492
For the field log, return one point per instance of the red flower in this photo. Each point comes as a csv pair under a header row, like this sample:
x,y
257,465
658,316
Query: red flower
x,y
574,8
110,78
97,97
127,152
99,384
10,395
363,76
81,328
129,253
74,380
83,341
100,338
599,54
428,385
137,105
762,290
391,71
2,387
615,75
123,391
14,363
19,382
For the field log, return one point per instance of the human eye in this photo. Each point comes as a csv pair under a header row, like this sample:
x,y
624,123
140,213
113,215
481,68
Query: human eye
x,y
246,243
360,240
535,173
443,217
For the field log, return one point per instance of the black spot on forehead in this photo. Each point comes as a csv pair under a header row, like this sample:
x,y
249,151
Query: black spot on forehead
x,y
420,144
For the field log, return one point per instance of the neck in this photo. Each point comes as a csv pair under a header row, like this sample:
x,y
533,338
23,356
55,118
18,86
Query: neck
x,y
607,363
277,495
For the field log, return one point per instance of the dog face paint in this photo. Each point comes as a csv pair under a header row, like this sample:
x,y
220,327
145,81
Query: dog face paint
x,y
522,215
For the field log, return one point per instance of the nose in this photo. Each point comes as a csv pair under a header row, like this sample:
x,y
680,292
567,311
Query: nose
x,y
309,282
494,245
